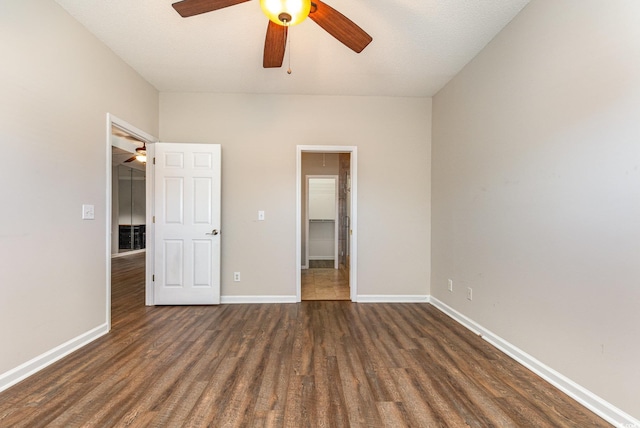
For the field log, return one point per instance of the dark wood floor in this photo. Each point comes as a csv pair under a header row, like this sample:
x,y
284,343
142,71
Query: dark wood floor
x,y
331,364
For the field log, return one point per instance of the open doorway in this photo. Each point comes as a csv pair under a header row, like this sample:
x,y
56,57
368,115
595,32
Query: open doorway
x,y
324,276
128,204
326,223
128,192
128,200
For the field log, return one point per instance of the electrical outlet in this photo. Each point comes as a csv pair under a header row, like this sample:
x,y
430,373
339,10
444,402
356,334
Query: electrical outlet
x,y
469,293
236,276
450,286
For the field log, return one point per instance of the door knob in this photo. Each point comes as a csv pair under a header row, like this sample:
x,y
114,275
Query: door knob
x,y
213,232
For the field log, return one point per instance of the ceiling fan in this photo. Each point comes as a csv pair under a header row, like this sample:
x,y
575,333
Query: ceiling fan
x,y
282,14
141,154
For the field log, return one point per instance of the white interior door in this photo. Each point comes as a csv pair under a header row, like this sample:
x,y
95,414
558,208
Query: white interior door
x,y
187,224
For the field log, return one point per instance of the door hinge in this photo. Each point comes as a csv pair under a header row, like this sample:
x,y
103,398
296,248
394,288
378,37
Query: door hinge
x,y
153,220
154,160
153,278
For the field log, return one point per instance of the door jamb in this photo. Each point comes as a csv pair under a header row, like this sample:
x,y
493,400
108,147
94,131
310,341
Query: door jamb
x,y
353,265
149,139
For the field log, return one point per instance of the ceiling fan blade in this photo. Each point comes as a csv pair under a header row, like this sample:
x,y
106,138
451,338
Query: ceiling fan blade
x,y
339,26
188,8
274,45
131,159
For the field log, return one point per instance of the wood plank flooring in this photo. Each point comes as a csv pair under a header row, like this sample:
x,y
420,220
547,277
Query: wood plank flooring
x,y
325,283
314,364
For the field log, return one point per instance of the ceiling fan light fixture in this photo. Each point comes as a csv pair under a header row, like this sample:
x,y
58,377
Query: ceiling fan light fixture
x,y
286,12
141,153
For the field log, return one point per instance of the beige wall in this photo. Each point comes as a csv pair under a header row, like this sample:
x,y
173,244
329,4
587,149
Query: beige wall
x,y
536,191
259,134
57,83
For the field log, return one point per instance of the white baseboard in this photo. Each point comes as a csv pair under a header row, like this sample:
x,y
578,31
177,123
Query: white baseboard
x,y
366,298
227,300
583,396
38,363
390,298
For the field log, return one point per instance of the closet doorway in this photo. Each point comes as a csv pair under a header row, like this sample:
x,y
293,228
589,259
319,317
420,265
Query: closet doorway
x,y
322,222
326,223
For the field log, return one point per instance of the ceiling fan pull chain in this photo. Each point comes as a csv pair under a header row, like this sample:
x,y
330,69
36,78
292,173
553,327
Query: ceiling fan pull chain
x,y
288,41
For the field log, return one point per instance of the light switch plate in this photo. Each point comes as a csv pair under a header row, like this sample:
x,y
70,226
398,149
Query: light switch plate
x,y
88,212
260,215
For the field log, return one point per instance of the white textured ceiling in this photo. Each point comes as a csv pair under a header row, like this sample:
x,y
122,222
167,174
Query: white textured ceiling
x,y
418,45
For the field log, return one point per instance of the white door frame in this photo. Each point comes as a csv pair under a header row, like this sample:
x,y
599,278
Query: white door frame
x,y
353,265
149,139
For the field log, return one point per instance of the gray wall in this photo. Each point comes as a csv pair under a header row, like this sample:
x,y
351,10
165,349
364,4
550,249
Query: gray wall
x,y
393,136
536,191
132,196
57,83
